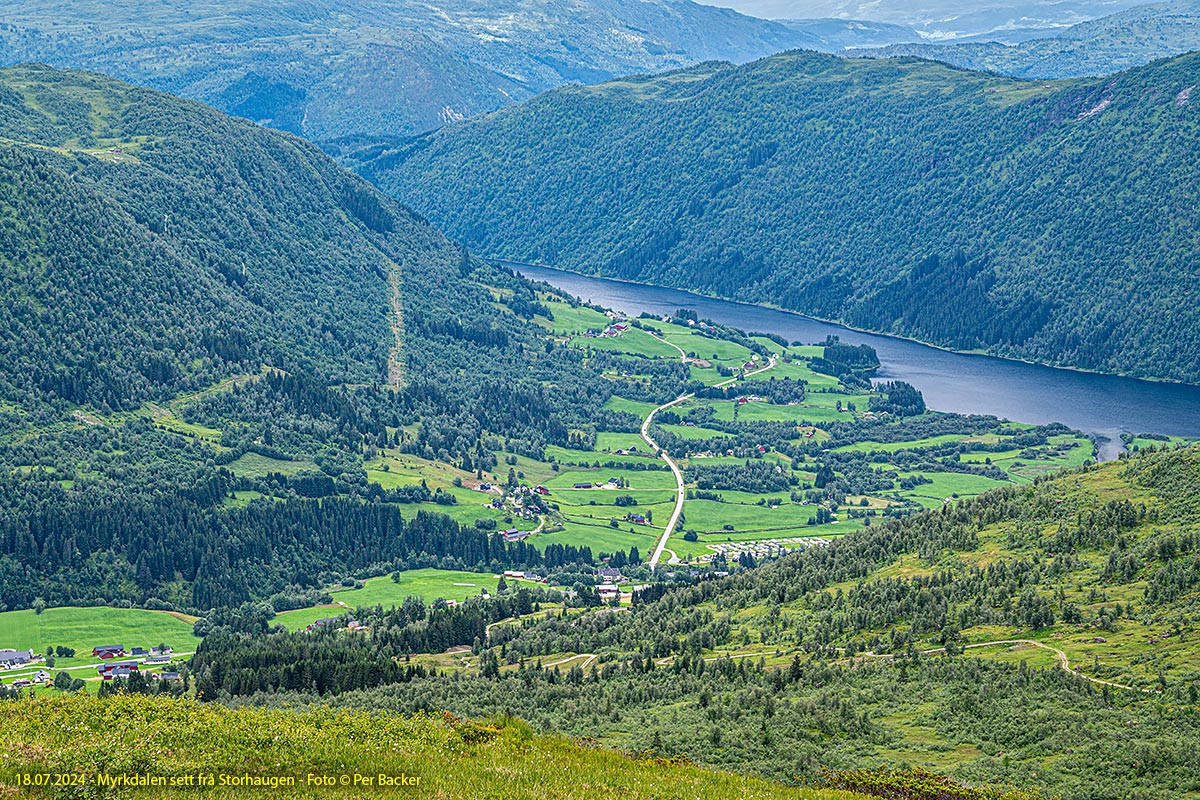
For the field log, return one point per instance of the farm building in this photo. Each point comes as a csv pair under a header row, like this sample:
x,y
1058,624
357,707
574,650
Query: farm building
x,y
609,574
10,659
117,669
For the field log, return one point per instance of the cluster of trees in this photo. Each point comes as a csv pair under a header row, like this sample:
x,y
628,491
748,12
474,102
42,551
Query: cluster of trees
x,y
780,391
759,477
233,661
899,398
846,361
137,683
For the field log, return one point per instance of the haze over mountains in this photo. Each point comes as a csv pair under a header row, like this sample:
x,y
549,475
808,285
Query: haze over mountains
x,y
944,19
1048,221
327,69
1097,47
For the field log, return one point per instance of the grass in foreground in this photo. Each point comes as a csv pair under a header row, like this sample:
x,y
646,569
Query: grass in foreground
x,y
450,758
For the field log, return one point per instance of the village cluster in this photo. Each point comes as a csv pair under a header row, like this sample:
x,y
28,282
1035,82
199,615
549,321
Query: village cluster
x,y
616,328
529,503
116,662
522,501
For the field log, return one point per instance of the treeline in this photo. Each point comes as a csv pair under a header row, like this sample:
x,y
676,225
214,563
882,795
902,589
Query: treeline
x,y
334,659
173,551
899,398
847,362
779,391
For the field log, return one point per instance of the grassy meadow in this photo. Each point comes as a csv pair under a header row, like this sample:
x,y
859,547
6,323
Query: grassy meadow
x,y
447,756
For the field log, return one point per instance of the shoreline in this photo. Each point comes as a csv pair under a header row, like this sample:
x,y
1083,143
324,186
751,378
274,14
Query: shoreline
x,y
865,331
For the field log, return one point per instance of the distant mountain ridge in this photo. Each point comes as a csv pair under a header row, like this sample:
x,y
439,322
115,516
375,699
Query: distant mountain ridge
x,y
1099,47
328,69
1048,221
1003,20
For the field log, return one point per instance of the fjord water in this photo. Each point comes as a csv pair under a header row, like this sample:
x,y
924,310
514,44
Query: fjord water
x,y
1103,405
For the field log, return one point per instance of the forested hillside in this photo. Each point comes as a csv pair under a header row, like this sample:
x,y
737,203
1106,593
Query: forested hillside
x,y
326,69
1047,221
1037,636
154,246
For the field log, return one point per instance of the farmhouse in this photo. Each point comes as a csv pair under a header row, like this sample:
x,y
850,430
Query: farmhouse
x,y
119,672
319,624
609,591
516,536
10,659
109,651
609,574
117,669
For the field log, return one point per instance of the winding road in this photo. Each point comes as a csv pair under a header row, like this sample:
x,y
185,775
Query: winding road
x,y
1063,661
680,490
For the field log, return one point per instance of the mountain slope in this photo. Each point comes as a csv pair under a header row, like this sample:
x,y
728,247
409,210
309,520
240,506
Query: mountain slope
x,y
331,69
155,246
1098,47
1045,221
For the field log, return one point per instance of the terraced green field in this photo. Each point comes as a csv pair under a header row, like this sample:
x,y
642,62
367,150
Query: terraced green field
x,y
85,628
427,584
